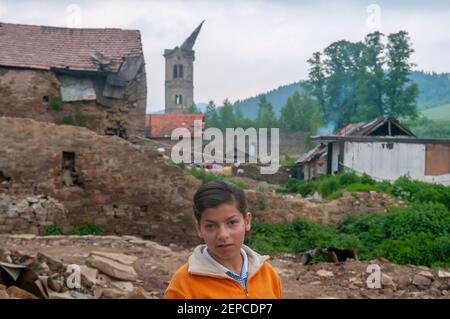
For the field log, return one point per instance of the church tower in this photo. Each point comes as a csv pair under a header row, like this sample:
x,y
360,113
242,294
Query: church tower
x,y
179,84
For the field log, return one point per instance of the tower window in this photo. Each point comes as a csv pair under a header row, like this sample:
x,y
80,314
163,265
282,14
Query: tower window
x,y
177,71
180,70
178,99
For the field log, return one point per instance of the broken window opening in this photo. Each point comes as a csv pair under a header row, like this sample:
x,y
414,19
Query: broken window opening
x,y
69,173
46,99
5,181
178,99
117,130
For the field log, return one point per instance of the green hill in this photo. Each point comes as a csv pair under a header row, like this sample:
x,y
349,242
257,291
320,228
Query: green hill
x,y
438,113
434,90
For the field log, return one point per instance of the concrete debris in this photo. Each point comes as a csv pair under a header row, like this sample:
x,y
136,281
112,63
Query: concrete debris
x,y
112,268
420,280
443,274
325,273
155,265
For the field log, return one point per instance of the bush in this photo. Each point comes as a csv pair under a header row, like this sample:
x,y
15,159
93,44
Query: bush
x,y
297,237
80,119
261,202
347,178
366,179
328,186
419,249
53,229
205,176
293,185
181,165
242,185
56,104
418,234
419,191
88,229
68,120
288,161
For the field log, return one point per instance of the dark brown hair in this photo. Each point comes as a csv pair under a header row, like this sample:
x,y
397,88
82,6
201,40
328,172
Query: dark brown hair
x,y
216,193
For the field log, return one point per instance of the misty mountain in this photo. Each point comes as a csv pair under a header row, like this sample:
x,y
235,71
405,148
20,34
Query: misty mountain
x,y
434,90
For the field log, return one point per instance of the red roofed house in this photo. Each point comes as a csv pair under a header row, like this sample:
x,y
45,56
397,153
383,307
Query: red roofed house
x,y
88,77
162,125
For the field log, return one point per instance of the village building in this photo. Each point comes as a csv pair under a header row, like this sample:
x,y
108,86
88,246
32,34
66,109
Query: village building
x,y
87,77
382,149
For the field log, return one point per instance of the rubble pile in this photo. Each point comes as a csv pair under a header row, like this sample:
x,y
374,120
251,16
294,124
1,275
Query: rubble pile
x,y
106,275
131,267
358,279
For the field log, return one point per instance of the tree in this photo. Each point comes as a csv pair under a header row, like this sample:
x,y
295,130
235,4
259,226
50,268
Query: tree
x,y
401,93
316,83
211,115
266,117
301,112
193,109
240,120
341,65
226,115
288,116
370,83
355,82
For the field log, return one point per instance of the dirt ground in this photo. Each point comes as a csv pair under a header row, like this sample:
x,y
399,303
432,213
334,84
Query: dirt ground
x,y
156,265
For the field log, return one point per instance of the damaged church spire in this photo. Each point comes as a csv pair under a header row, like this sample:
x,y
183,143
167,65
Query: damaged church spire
x,y
188,44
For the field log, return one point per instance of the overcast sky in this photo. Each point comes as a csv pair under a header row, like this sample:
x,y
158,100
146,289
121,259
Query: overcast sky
x,y
247,47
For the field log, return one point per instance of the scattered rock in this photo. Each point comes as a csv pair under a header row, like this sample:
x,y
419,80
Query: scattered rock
x,y
383,260
3,294
16,292
54,284
112,268
44,268
427,274
70,294
420,280
125,286
112,293
403,281
88,276
387,282
324,273
137,293
120,258
54,264
443,274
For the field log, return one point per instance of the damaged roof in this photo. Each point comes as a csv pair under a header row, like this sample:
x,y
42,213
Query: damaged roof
x,y
370,128
45,48
377,127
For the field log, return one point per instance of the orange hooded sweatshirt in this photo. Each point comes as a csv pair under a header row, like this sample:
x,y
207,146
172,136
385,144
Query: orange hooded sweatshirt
x,y
199,279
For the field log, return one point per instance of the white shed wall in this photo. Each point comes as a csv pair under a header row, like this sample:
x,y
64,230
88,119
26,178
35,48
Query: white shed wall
x,y
380,162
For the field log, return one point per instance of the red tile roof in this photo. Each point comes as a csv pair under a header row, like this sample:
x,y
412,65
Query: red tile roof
x,y
40,47
162,125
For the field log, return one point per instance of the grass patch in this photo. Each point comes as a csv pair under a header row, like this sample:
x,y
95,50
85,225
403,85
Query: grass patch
x,y
418,234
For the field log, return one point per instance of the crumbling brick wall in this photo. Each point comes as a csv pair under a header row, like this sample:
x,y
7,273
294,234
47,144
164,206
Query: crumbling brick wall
x,y
116,184
30,214
29,94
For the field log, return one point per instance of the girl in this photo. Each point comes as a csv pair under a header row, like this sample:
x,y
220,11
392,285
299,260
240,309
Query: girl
x,y
223,268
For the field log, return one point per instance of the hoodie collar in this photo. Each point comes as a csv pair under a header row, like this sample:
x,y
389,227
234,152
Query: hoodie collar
x,y
199,263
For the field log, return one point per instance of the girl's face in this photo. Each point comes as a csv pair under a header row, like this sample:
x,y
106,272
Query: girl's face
x,y
223,230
